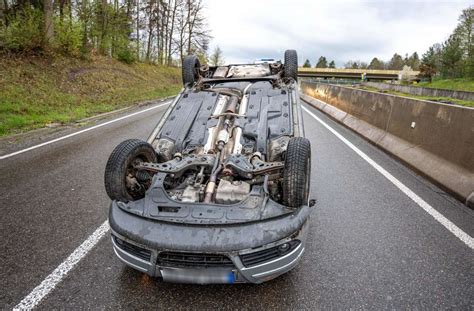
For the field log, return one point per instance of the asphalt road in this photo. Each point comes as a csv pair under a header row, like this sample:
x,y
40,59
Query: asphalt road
x,y
370,246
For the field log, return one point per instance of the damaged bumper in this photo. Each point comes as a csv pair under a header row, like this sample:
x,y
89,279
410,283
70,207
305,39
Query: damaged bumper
x,y
247,252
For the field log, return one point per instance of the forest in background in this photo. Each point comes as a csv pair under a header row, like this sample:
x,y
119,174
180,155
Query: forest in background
x,y
453,58
155,31
63,60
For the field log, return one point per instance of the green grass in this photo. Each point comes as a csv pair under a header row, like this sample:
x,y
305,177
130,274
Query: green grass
x,y
35,91
460,102
451,84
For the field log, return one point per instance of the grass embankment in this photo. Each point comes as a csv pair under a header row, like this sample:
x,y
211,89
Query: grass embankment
x,y
36,92
447,100
450,84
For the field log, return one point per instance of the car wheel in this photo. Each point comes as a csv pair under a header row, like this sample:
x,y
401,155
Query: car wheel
x,y
291,64
190,69
296,174
122,181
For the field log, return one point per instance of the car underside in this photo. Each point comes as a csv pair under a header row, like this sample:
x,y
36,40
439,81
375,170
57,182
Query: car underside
x,y
220,191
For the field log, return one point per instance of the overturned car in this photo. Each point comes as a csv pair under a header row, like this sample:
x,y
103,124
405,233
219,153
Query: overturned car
x,y
220,191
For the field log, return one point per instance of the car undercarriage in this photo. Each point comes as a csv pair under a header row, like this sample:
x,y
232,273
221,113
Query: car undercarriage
x,y
229,151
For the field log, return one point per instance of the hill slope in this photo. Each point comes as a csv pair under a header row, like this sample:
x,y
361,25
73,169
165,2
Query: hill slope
x,y
462,84
36,91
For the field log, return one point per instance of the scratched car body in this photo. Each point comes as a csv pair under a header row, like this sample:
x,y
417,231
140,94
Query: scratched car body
x,y
219,193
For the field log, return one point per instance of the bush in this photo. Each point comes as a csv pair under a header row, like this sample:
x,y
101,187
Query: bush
x,y
24,32
126,55
68,36
405,75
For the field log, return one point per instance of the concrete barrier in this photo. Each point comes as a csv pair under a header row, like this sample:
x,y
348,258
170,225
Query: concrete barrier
x,y
422,91
435,139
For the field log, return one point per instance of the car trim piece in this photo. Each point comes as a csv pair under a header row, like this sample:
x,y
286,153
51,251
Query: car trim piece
x,y
128,262
263,274
123,251
117,249
158,127
273,260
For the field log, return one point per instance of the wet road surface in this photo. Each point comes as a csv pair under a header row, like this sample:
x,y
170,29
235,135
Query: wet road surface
x,y
369,246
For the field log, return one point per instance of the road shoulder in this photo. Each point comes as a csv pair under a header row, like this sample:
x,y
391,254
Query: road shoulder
x,y
13,143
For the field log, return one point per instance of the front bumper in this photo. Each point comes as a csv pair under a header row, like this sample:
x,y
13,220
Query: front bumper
x,y
244,253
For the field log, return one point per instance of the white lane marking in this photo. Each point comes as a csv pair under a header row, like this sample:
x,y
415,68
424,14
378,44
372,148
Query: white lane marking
x,y
463,236
80,132
50,282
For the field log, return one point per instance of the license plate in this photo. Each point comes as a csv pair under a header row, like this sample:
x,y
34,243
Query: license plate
x,y
199,276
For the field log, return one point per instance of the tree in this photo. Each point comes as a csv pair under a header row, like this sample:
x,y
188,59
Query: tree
x,y
216,58
307,64
355,65
427,72
193,35
452,58
175,6
405,60
413,61
455,57
465,33
104,25
465,30
150,10
157,31
137,27
375,63
396,63
332,64
197,35
432,57
4,11
322,62
406,74
431,62
351,65
48,23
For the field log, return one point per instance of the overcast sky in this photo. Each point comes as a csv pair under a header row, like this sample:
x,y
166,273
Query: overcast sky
x,y
338,29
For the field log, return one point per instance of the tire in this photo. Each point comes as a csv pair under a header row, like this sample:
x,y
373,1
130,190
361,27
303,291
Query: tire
x,y
120,165
290,69
296,174
190,69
